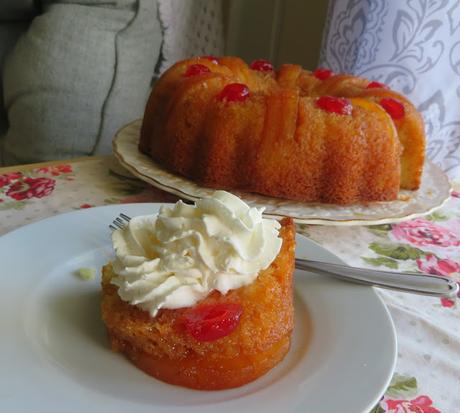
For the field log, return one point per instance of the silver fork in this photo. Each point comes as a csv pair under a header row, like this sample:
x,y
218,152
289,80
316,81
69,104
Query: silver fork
x,y
410,282
119,222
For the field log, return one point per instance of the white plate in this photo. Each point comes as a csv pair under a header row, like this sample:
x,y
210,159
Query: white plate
x,y
433,193
55,357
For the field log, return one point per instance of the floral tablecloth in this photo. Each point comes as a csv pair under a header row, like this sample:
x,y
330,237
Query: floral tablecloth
x,y
427,378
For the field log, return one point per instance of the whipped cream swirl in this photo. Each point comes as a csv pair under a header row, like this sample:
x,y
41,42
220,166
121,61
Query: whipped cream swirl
x,y
176,258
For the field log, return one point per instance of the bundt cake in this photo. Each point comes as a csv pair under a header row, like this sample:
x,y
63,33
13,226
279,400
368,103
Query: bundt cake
x,y
308,136
183,326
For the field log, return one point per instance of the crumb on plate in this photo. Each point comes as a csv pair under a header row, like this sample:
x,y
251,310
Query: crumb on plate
x,y
86,273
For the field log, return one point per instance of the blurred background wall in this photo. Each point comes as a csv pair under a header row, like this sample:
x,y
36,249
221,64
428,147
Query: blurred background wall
x,y
282,31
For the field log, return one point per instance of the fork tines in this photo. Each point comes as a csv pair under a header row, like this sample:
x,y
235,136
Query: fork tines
x,y
119,222
125,217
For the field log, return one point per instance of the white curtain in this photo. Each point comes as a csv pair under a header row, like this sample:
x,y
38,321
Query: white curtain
x,y
191,28
414,47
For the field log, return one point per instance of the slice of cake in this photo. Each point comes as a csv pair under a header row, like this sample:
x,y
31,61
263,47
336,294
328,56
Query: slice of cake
x,y
201,295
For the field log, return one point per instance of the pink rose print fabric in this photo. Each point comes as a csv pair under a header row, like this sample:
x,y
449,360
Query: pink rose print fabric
x,y
421,404
17,188
420,232
430,245
6,179
401,397
55,170
30,188
430,264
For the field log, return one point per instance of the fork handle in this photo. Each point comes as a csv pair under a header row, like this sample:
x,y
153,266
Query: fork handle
x,y
417,283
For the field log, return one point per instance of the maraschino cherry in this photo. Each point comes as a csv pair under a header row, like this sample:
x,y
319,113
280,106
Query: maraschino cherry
x,y
211,58
323,74
196,70
261,65
333,104
376,85
209,322
393,107
234,92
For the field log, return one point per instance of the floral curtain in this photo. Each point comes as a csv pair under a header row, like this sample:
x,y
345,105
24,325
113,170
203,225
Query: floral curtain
x,y
414,47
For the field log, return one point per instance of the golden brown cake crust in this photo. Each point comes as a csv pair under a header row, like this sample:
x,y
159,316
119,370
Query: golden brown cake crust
x,y
161,346
277,142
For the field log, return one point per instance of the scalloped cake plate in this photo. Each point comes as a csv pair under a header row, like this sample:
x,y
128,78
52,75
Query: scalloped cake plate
x,y
433,193
55,353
